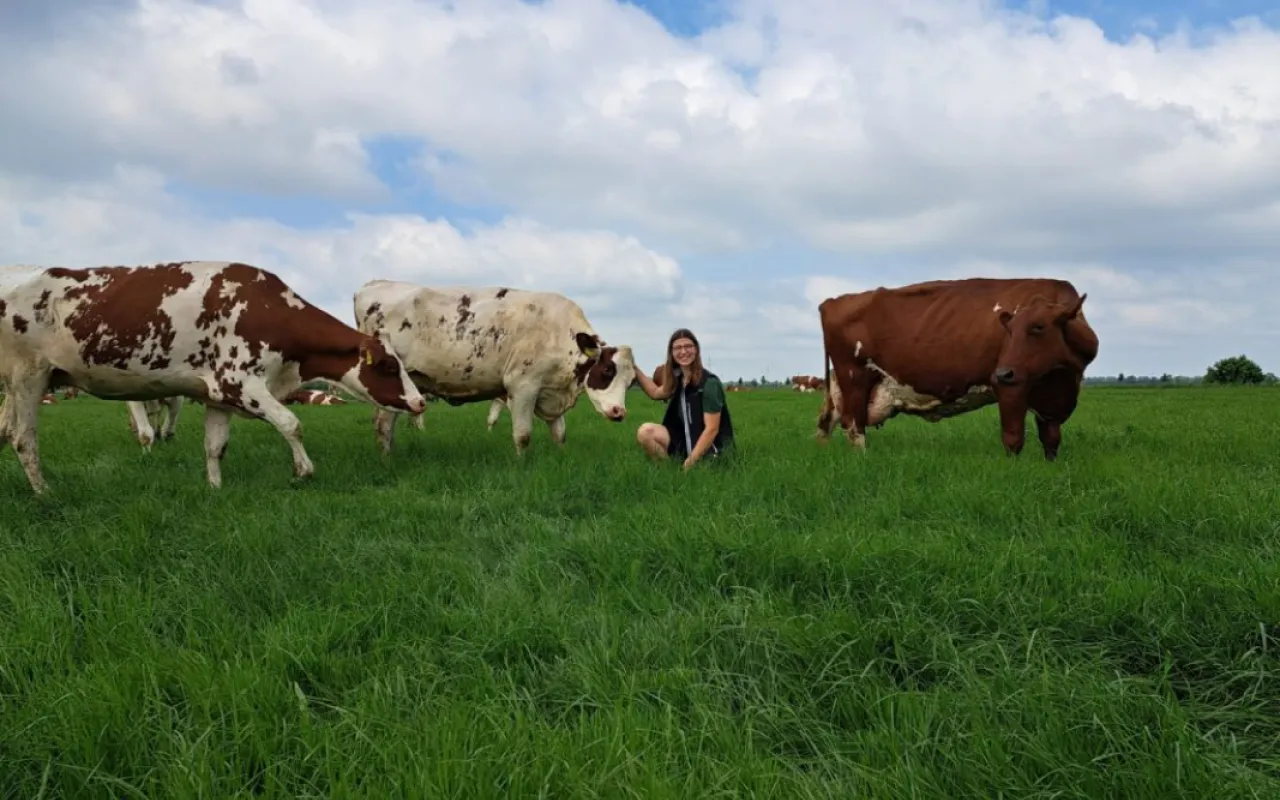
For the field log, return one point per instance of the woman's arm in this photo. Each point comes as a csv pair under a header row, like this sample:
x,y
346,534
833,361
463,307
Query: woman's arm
x,y
712,405
712,421
653,390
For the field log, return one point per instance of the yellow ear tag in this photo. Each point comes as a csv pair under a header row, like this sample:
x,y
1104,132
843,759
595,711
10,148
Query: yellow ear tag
x,y
593,352
368,358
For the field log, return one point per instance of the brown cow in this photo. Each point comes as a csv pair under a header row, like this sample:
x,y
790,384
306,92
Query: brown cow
x,y
659,373
943,348
806,383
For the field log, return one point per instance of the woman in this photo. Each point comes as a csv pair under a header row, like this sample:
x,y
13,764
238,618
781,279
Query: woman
x,y
697,422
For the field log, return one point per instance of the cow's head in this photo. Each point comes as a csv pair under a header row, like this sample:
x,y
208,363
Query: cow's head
x,y
379,377
604,373
1036,341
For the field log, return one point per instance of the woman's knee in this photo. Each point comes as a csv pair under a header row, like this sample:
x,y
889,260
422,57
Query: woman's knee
x,y
650,433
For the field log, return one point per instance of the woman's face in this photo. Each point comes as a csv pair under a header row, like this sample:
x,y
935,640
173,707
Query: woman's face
x,y
683,352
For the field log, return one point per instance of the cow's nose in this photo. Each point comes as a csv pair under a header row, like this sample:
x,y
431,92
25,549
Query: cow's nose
x,y
1004,375
617,414
418,405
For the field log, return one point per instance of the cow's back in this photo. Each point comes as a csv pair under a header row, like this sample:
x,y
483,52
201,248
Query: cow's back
x,y
469,342
940,337
20,291
85,319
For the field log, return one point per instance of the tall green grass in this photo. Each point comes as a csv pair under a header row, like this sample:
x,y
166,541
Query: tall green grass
x,y
926,619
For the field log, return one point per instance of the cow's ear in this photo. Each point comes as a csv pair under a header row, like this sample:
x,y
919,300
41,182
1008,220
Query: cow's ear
x,y
1073,311
588,344
1005,316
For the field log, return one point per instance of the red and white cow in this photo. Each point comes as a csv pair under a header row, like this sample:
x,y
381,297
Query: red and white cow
x,y
467,345
231,336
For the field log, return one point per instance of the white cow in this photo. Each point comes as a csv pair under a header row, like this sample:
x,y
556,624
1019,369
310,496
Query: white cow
x,y
231,336
468,345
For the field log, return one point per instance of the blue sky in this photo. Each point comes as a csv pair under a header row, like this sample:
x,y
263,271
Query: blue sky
x,y
552,144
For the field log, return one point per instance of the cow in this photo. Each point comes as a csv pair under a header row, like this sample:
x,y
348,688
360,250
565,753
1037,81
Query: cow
x,y
806,383
942,348
312,397
467,345
229,335
145,417
500,402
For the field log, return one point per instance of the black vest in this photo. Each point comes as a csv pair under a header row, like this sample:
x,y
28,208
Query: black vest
x,y
690,397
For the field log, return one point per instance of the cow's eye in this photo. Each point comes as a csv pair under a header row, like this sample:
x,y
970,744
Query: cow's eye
x,y
1036,330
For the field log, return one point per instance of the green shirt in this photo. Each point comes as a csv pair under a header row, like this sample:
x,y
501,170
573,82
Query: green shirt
x,y
712,395
713,402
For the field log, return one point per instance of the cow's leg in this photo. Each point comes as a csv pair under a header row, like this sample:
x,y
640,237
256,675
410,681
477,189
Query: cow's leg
x,y
1013,421
174,407
20,420
832,409
217,429
522,406
384,426
6,409
495,411
557,429
1050,437
852,404
283,420
140,424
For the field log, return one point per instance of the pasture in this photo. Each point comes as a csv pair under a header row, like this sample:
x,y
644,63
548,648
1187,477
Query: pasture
x,y
925,619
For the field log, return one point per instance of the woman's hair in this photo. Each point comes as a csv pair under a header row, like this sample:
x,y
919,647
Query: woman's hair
x,y
693,375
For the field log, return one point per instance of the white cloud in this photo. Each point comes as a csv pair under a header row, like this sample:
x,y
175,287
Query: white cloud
x,y
132,219
822,287
954,136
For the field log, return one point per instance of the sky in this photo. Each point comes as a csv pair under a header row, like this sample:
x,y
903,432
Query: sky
x,y
723,165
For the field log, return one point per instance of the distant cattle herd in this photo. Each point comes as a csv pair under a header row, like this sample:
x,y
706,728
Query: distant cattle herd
x,y
238,340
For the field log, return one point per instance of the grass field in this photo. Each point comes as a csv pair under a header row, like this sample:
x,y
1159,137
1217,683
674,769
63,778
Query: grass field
x,y
927,619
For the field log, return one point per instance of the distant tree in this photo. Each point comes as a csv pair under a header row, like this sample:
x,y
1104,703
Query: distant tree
x,y
1165,378
1120,377
1235,369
